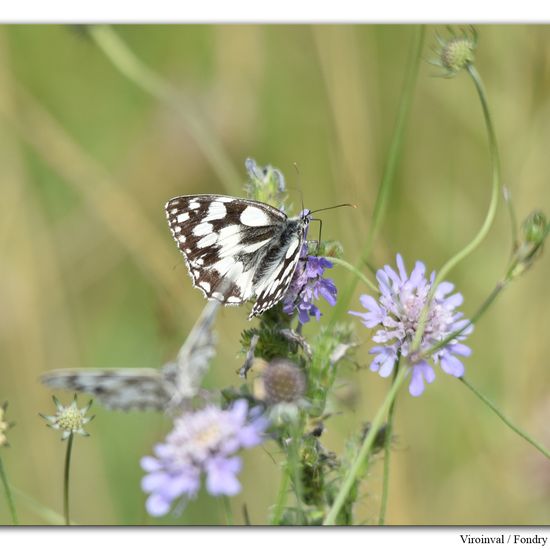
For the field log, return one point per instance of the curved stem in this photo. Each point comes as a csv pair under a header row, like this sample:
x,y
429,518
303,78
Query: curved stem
x,y
500,286
364,451
392,162
133,68
66,479
9,496
489,218
506,420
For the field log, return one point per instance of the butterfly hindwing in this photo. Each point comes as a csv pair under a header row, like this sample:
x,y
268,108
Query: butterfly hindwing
x,y
234,247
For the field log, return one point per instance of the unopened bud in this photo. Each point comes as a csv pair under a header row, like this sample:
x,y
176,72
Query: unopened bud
x,y
456,53
283,382
533,233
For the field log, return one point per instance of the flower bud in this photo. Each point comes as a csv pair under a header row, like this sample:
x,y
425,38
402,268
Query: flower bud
x,y
4,426
283,382
529,247
265,184
456,53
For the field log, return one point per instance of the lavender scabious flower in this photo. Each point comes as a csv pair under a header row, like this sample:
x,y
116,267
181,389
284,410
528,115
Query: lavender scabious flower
x,y
307,285
397,311
202,442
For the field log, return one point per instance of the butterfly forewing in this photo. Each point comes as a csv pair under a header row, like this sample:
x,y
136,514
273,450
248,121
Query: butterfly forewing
x,y
234,247
121,389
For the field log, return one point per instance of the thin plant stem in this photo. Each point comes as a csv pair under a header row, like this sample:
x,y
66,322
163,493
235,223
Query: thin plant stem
x,y
9,496
392,162
489,217
44,512
295,466
387,455
365,449
122,57
281,496
506,420
507,195
359,274
500,286
66,478
227,510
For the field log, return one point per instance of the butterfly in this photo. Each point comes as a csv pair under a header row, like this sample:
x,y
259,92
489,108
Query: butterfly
x,y
166,389
237,249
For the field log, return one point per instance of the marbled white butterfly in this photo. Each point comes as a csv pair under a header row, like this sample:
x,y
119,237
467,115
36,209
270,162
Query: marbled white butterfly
x,y
236,249
165,389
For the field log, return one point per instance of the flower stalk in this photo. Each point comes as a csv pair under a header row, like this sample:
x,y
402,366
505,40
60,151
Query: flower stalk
x,y
387,455
493,203
506,420
366,447
8,493
68,454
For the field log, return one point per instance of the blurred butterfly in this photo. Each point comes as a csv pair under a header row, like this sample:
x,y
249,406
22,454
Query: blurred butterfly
x,y
165,389
236,249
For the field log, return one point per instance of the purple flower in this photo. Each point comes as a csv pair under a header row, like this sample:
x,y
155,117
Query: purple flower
x,y
396,313
202,442
307,285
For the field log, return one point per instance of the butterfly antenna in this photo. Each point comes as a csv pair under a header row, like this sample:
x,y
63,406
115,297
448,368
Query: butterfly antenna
x,y
332,207
295,164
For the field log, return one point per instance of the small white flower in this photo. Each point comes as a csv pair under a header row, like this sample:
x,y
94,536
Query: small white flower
x,y
69,419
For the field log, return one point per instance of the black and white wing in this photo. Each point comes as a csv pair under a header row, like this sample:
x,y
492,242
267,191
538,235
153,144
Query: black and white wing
x,y
163,389
119,389
236,249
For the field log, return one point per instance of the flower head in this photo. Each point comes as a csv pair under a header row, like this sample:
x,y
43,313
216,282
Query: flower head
x,y
69,419
265,183
307,285
283,382
202,442
396,314
4,426
456,53
528,248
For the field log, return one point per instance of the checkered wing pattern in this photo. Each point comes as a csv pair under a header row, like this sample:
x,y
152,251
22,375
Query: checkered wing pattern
x,y
237,249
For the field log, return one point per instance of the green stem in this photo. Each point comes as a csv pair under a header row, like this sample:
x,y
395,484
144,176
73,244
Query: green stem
x,y
501,285
390,168
355,271
295,466
9,496
66,479
363,453
228,511
506,420
44,512
281,496
387,455
507,195
489,218
134,69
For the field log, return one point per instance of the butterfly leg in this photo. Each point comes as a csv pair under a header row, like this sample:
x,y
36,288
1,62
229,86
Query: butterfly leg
x,y
318,241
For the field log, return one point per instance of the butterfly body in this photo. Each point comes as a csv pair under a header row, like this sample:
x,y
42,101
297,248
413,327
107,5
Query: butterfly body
x,y
236,249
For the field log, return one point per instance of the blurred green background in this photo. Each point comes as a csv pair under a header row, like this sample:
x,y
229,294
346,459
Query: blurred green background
x,y
90,276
